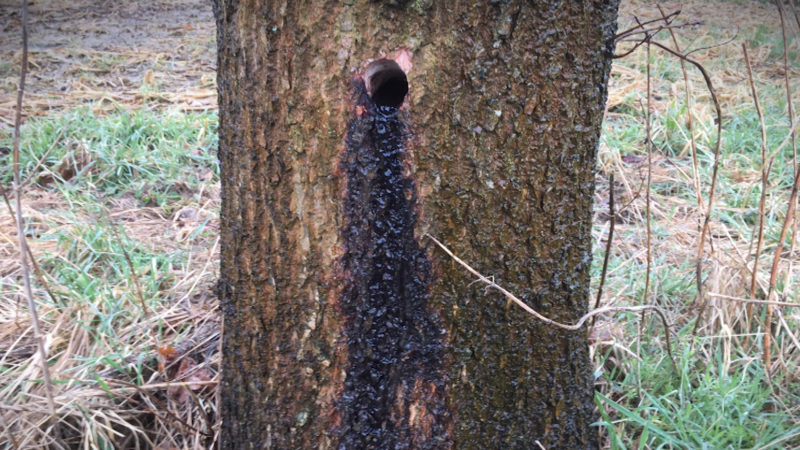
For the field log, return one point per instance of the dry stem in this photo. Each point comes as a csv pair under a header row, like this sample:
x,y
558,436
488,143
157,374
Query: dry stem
x,y
22,245
793,134
689,118
612,222
649,149
775,261
765,169
714,174
713,187
764,178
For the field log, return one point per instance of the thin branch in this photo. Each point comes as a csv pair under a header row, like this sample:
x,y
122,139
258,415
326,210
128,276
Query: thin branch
x,y
11,438
134,275
21,241
717,45
625,37
752,300
36,268
793,129
649,149
612,222
640,25
714,174
649,33
764,177
792,206
796,17
775,262
689,118
788,329
577,325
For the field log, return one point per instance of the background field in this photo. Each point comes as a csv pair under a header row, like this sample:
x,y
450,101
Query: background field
x,y
120,108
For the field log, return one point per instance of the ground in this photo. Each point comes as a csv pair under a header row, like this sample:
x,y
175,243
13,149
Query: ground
x,y
111,53
122,221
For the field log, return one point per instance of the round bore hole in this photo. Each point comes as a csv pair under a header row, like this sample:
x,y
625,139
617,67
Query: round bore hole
x,y
387,83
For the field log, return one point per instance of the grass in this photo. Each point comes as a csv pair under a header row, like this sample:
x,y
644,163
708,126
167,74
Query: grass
x,y
122,218
721,398
126,243
716,408
150,156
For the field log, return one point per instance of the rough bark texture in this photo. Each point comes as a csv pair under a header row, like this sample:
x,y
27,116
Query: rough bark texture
x,y
344,328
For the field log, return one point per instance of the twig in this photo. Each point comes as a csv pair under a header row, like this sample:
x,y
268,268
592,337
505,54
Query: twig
x,y
653,31
775,261
714,174
36,268
649,33
764,176
577,325
648,245
11,438
612,222
640,25
793,129
634,195
796,17
788,329
717,45
21,242
649,149
689,118
752,300
695,164
134,275
712,189
792,206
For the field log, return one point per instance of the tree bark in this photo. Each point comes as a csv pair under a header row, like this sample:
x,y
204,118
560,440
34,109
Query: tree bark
x,y
344,327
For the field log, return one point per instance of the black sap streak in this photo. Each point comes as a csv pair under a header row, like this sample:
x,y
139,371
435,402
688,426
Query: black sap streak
x,y
394,341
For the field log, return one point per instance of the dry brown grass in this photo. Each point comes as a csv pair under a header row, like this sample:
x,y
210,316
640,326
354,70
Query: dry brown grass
x,y
172,348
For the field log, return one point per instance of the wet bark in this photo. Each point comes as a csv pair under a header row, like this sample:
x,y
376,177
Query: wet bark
x,y
344,328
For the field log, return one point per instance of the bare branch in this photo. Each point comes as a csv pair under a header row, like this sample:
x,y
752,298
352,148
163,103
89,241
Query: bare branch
x,y
689,118
714,174
764,176
752,300
715,169
717,45
639,25
792,207
612,222
649,149
38,270
21,241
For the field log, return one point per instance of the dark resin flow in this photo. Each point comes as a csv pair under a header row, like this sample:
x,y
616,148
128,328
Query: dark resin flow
x,y
394,341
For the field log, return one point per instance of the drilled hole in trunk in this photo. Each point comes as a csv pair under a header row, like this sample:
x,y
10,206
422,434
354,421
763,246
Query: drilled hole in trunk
x,y
394,337
387,83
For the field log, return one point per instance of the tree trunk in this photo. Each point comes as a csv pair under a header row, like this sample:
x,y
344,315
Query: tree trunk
x,y
344,326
